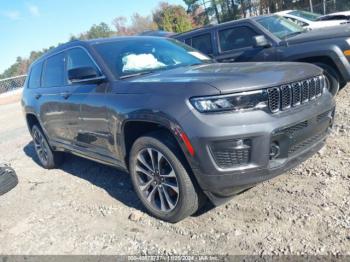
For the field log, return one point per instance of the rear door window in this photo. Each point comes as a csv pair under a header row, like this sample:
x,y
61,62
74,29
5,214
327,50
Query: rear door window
x,y
236,38
35,76
53,73
203,43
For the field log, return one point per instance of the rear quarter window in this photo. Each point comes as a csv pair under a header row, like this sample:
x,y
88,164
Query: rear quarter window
x,y
35,76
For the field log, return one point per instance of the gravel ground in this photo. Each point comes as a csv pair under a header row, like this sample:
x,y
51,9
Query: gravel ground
x,y
87,208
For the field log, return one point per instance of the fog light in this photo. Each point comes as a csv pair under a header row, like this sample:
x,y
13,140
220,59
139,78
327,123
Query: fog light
x,y
231,153
274,151
238,144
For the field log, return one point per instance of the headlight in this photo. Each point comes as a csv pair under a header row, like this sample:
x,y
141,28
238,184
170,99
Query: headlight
x,y
235,102
348,41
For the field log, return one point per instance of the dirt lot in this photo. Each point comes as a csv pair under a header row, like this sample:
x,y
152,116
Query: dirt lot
x,y
85,208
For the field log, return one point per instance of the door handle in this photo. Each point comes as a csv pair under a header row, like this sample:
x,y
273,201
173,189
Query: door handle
x,y
66,95
37,96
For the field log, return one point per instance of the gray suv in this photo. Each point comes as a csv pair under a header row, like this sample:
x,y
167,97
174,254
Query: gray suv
x,y
180,124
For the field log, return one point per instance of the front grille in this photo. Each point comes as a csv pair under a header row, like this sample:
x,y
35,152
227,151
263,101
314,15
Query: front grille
x,y
228,154
318,87
274,99
305,91
290,131
293,149
323,116
296,94
291,95
312,89
286,97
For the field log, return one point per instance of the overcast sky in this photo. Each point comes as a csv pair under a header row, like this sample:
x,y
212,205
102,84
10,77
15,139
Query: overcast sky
x,y
33,25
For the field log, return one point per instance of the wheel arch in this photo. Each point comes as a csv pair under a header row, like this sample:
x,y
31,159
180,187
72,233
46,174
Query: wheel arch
x,y
132,129
31,120
328,61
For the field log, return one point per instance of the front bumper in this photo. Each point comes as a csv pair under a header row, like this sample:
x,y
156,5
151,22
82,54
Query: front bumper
x,y
299,133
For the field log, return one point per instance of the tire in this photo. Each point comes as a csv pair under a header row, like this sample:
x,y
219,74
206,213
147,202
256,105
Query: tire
x,y
48,158
332,77
8,179
169,203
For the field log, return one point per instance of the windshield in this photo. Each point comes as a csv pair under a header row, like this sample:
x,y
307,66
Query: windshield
x,y
140,55
280,27
306,15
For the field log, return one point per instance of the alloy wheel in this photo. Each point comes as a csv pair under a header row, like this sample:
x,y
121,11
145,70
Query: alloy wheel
x,y
156,180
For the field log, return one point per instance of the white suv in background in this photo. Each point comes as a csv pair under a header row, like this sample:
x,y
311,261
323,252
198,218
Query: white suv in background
x,y
309,20
336,16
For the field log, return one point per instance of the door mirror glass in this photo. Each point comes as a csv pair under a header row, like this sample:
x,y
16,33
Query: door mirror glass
x,y
261,41
84,75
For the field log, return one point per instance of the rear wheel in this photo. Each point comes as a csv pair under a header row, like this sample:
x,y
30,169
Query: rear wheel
x,y
160,178
48,158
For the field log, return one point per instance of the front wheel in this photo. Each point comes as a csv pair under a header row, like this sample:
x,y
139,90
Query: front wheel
x,y
160,179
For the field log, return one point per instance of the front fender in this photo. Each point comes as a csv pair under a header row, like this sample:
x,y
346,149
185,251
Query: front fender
x,y
161,119
309,52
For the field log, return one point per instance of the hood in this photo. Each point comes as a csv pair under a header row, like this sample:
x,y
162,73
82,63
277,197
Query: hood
x,y
236,77
325,33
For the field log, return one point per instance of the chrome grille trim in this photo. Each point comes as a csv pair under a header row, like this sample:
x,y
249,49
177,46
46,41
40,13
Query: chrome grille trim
x,y
296,94
274,99
312,89
305,91
291,95
286,97
319,88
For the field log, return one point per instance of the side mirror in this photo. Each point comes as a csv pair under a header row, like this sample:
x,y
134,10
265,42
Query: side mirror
x,y
84,75
261,41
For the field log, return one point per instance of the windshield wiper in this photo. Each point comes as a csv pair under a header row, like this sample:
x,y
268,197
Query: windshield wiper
x,y
196,64
136,74
293,34
161,69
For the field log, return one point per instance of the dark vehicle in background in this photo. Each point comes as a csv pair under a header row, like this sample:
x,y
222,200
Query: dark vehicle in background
x,y
158,33
180,124
273,38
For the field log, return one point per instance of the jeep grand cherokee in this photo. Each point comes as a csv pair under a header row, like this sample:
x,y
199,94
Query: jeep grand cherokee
x,y
179,123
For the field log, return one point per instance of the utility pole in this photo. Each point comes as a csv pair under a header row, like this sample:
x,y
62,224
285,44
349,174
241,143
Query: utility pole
x,y
324,7
311,7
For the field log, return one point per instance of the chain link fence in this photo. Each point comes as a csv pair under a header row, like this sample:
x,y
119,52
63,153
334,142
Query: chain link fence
x,y
330,6
12,83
